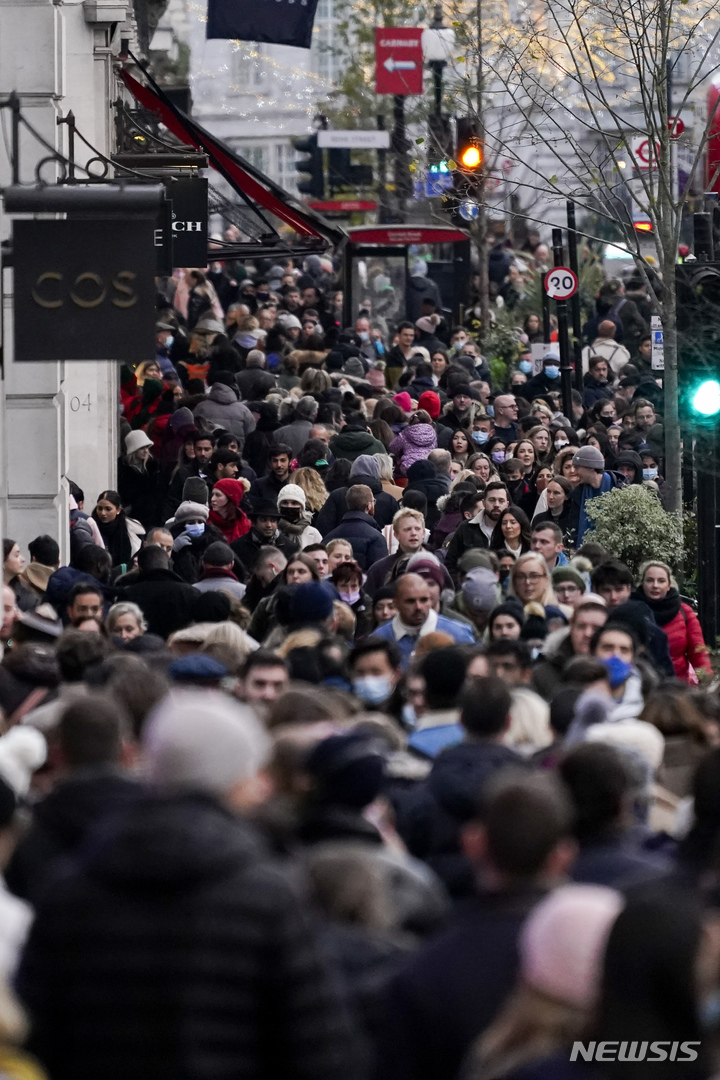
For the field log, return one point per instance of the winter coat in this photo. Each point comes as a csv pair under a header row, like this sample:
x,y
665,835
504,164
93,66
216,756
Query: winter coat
x,y
582,494
247,548
683,630
255,383
221,408
451,990
540,385
467,535
192,959
60,823
353,441
423,477
294,435
364,534
594,390
167,602
414,443
548,672
431,822
335,506
140,492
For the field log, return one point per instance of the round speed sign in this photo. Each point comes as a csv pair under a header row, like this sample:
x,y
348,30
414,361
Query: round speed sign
x,y
561,283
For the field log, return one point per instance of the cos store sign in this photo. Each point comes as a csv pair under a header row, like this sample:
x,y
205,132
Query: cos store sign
x,y
84,289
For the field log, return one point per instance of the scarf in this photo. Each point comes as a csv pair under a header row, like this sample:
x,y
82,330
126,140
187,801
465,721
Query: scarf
x,y
116,539
231,528
218,572
664,610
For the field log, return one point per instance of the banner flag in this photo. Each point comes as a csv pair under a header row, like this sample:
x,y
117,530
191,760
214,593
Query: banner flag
x,y
275,22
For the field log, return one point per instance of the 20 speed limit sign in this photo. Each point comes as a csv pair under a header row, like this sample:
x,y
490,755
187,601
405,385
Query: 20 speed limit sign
x,y
561,283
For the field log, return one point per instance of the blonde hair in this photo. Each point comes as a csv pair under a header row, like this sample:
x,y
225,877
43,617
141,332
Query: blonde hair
x,y
315,381
300,639
386,467
663,566
529,728
125,607
333,544
406,512
229,634
345,620
316,494
549,596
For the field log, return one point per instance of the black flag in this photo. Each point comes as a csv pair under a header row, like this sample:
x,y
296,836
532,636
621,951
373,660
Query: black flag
x,y
277,22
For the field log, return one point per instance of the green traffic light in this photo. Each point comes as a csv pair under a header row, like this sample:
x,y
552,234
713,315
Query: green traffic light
x,y
706,399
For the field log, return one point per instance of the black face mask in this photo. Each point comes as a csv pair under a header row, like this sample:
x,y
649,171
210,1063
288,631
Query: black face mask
x,y
291,514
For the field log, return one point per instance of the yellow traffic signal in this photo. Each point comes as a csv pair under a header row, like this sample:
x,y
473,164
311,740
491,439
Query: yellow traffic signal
x,y
471,157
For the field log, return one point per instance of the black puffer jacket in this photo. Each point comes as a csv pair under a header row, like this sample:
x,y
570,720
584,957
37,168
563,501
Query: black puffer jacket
x,y
175,950
60,823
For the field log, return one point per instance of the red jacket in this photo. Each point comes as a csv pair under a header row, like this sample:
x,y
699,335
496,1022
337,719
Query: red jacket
x,y
686,643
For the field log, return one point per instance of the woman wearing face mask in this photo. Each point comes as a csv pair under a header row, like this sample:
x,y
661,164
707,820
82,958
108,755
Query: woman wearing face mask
x,y
347,579
543,478
496,451
688,652
460,447
512,532
295,521
525,366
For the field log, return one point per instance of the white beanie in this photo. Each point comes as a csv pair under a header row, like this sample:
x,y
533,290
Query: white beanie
x,y
22,751
291,493
203,741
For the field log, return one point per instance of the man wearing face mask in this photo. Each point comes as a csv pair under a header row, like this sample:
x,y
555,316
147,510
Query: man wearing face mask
x,y
375,670
192,535
367,344
546,380
483,428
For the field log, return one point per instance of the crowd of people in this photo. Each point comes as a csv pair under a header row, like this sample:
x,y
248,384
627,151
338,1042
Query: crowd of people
x,y
338,748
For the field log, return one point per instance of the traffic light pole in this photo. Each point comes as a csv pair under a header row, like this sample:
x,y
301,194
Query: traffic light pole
x,y
707,508
563,336
575,300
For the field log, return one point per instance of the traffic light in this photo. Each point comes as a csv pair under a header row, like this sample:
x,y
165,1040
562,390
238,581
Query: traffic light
x,y
706,398
312,166
698,324
440,148
344,176
469,150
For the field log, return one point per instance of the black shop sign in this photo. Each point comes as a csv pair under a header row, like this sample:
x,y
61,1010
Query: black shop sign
x,y
84,289
188,223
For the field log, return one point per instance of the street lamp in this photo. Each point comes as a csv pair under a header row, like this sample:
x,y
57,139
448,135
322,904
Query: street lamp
x,y
438,42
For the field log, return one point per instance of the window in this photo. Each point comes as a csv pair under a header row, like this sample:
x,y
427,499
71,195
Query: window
x,y
249,67
284,172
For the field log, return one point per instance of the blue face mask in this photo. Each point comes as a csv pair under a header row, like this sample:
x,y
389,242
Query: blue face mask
x,y
409,715
480,437
363,335
649,474
525,366
552,372
372,689
498,456
380,348
490,410
169,341
196,529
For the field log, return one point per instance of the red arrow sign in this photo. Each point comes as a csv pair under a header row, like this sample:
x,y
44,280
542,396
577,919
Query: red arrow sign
x,y
398,60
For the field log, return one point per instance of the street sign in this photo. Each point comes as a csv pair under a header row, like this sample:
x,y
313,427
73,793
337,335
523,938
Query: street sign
x,y
561,283
354,140
646,152
676,126
347,206
657,356
84,289
398,60
434,184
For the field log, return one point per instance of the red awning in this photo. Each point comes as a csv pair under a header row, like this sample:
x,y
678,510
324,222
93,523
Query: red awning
x,y
242,176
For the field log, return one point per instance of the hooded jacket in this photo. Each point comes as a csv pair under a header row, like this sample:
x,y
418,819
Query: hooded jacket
x,y
365,470
353,441
167,602
221,407
192,958
414,443
630,457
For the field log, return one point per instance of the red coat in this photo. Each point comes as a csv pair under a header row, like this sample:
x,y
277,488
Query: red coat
x,y
686,643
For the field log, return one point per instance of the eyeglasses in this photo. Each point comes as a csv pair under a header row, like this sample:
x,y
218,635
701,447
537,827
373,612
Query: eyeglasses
x,y
533,578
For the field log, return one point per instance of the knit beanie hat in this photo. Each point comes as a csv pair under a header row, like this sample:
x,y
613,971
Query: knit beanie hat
x,y
365,465
309,603
188,510
636,735
202,741
430,402
347,769
195,490
353,366
218,554
589,457
291,493
563,942
403,401
563,574
480,590
234,489
513,608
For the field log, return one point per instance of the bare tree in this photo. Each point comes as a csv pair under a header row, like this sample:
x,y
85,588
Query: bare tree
x,y
590,84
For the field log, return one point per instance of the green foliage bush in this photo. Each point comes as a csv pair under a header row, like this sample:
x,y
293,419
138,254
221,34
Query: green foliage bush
x,y
630,523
